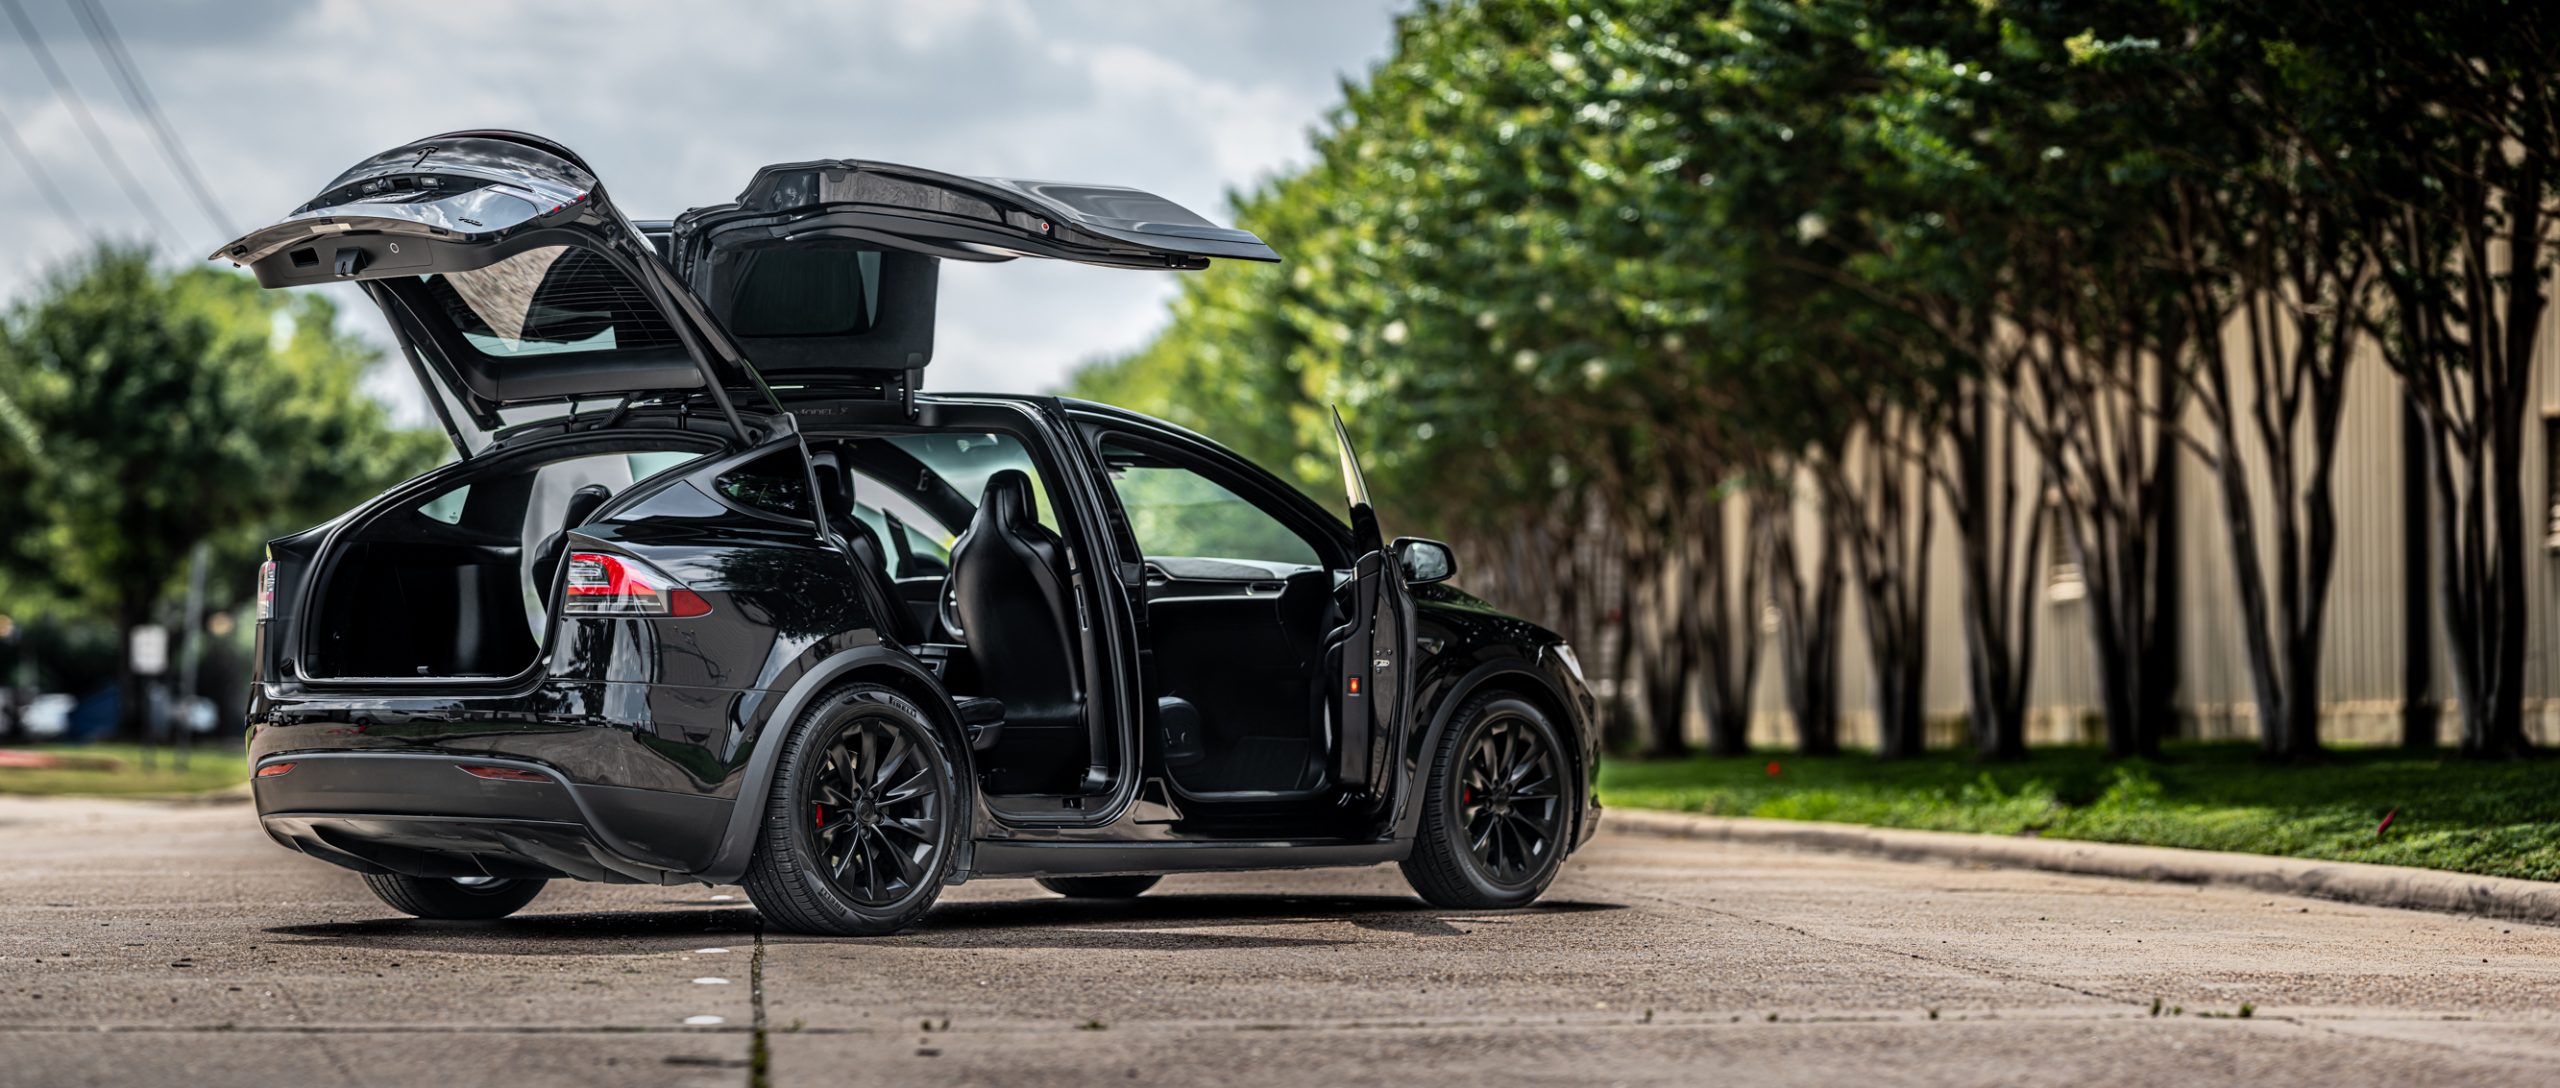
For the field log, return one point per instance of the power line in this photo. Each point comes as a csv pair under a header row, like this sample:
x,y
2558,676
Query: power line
x,y
70,97
44,181
110,48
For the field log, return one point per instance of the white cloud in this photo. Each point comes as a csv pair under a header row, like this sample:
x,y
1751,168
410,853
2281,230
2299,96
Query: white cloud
x,y
676,108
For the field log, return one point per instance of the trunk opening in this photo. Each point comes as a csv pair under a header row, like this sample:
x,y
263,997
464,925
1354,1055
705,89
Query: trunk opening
x,y
456,583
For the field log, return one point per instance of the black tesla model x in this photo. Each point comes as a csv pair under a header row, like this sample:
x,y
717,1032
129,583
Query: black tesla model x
x,y
713,593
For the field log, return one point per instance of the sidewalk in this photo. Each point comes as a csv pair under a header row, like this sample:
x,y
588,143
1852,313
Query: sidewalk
x,y
2351,882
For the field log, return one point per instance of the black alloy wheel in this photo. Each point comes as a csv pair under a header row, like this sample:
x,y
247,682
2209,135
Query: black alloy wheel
x,y
877,812
1511,799
862,820
1498,813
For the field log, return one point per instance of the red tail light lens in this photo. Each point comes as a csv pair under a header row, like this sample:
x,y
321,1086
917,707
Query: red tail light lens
x,y
613,585
275,770
501,774
267,592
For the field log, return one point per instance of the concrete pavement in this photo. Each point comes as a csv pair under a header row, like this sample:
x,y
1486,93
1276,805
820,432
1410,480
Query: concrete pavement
x,y
173,945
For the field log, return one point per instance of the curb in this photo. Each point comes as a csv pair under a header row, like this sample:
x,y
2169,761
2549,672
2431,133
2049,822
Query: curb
x,y
2344,881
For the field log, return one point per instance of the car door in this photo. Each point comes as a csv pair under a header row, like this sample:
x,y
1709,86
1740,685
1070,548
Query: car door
x,y
1370,651
515,287
826,271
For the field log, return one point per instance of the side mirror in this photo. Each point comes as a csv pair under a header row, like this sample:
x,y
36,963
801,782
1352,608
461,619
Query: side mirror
x,y
1425,561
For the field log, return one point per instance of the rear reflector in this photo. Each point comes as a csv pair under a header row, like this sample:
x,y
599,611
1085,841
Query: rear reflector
x,y
276,770
614,585
502,774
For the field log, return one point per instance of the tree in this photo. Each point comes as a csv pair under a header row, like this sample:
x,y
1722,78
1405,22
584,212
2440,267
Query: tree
x,y
2449,116
159,409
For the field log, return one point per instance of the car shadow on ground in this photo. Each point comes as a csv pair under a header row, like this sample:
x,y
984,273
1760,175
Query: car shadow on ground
x,y
601,932
1155,922
1016,923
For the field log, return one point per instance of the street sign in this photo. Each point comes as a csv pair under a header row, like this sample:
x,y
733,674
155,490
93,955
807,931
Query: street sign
x,y
149,650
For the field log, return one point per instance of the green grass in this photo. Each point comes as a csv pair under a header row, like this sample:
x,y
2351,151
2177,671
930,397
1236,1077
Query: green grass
x,y
2499,819
209,767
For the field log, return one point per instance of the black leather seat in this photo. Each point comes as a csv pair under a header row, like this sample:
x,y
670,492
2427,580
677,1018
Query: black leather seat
x,y
870,559
583,504
1010,587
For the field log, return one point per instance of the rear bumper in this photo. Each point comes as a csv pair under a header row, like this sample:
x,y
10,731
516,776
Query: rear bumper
x,y
422,815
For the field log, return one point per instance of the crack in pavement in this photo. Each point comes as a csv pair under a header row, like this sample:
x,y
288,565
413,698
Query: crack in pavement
x,y
1956,965
337,1061
760,1046
1671,1020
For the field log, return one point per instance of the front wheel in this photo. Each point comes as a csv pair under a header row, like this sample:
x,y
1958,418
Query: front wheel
x,y
1099,887
1497,816
863,819
476,899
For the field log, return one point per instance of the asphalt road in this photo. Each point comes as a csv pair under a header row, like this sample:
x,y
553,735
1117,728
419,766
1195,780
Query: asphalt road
x,y
173,945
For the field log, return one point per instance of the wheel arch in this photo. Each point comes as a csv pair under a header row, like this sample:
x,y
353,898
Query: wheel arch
x,y
875,664
1515,676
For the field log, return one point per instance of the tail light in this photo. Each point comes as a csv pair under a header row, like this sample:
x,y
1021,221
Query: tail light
x,y
276,770
267,590
612,585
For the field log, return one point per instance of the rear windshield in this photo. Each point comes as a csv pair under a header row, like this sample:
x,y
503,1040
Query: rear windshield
x,y
552,300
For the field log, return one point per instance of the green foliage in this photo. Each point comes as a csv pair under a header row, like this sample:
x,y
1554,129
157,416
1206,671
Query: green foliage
x,y
1560,261
148,410
2496,819
117,770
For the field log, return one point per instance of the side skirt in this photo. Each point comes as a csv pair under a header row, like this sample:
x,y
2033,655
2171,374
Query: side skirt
x,y
999,858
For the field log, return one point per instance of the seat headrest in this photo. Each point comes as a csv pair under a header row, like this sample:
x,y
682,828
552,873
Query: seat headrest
x,y
583,504
1008,499
831,492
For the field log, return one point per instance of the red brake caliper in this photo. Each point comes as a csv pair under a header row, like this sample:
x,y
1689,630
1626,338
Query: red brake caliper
x,y
822,814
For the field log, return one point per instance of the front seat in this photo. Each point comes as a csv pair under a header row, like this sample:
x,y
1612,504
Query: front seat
x,y
1009,586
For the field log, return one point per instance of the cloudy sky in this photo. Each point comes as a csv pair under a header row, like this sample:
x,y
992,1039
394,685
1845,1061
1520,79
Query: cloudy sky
x,y
675,107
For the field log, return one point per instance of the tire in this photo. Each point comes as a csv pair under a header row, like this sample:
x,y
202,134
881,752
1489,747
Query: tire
x,y
1099,887
446,898
863,821
1500,848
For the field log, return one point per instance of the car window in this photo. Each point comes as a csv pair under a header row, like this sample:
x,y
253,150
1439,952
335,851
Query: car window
x,y
447,507
967,461
550,300
807,290
931,552
1176,512
777,484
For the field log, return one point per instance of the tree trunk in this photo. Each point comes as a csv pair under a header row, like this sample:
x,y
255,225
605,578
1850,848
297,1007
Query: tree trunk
x,y
2001,572
2420,709
1888,544
1808,601
1725,627
1664,662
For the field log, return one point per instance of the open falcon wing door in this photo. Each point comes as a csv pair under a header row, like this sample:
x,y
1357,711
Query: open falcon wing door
x,y
515,287
825,271
1368,650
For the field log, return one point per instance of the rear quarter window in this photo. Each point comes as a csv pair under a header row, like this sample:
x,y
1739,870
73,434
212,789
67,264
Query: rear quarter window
x,y
776,484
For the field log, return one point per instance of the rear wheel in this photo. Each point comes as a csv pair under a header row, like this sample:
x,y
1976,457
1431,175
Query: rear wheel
x,y
1099,887
862,821
464,898
1498,814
